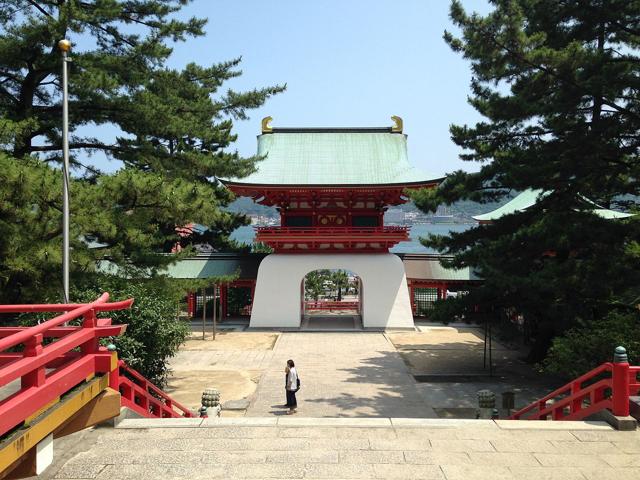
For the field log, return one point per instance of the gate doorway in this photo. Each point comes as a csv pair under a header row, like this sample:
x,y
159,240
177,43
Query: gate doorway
x,y
331,300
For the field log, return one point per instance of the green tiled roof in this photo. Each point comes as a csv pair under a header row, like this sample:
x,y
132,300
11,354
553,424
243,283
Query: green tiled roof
x,y
530,197
202,268
428,267
205,266
348,157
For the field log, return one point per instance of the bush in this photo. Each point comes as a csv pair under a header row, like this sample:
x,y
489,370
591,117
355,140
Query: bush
x,y
154,332
585,347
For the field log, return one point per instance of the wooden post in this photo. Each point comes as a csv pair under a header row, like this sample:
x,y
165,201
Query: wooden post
x,y
223,300
484,357
620,383
204,311
490,353
215,296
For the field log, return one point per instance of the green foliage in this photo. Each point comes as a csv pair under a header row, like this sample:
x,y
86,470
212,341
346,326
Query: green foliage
x,y
237,299
556,84
586,346
328,283
154,331
174,131
315,284
340,281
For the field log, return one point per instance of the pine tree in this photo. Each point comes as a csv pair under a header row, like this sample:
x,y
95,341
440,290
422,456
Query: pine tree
x,y
175,129
558,86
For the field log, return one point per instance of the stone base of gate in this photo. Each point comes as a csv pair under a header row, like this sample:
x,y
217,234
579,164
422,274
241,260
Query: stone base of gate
x,y
384,297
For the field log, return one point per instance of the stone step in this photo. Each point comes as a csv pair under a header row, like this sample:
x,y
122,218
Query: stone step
x,y
363,422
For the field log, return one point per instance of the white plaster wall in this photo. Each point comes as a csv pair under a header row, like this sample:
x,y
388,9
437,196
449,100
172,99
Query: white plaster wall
x,y
385,297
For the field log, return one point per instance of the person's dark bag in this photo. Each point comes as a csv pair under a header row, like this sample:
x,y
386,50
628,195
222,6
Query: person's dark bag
x,y
297,384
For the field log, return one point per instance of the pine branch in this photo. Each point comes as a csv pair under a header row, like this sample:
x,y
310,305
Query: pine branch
x,y
38,7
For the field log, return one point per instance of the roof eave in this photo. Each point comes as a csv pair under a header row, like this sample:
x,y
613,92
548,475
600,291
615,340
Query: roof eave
x,y
229,183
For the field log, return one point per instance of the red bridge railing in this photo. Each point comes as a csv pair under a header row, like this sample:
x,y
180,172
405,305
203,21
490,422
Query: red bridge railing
x,y
46,371
142,396
605,387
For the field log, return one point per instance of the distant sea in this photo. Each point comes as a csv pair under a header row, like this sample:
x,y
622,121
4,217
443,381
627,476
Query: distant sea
x,y
246,235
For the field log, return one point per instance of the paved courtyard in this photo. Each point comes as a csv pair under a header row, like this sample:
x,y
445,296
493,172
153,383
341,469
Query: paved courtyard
x,y
305,448
358,374
353,374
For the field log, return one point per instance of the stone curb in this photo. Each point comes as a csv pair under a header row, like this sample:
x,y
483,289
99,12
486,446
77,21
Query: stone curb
x,y
361,422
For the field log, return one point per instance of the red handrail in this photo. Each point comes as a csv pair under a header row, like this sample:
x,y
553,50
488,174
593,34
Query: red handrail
x,y
634,380
574,401
46,372
143,397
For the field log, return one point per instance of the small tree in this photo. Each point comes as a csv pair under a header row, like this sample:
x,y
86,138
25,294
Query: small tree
x,y
154,333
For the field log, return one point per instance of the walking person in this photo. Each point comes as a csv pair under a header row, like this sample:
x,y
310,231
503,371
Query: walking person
x,y
292,385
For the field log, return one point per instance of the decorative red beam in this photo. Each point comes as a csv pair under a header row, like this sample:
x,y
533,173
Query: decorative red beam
x,y
390,194
334,239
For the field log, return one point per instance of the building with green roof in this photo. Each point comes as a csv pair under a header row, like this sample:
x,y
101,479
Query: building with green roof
x,y
530,197
331,187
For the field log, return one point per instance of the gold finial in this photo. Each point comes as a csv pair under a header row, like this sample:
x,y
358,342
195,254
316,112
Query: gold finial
x,y
266,125
397,128
64,45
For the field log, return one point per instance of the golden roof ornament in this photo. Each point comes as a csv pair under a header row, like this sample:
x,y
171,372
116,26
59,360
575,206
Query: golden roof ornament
x,y
397,128
266,125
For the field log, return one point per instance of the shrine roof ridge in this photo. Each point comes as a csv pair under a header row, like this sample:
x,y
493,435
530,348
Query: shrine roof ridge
x,y
331,130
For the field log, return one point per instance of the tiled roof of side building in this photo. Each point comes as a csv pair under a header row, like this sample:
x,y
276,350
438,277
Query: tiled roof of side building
x,y
530,197
334,156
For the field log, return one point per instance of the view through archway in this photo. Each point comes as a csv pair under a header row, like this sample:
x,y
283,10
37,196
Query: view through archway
x,y
331,299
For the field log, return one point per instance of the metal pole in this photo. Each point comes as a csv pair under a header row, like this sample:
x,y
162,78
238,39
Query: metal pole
x,y
65,47
215,313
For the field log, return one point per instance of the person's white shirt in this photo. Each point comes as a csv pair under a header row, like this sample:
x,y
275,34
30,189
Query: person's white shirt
x,y
292,379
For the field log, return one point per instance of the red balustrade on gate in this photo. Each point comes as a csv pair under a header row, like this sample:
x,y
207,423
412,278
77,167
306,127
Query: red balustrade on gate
x,y
605,387
48,371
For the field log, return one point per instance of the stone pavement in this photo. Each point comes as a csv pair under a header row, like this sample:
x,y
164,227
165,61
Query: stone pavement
x,y
449,362
341,448
357,374
233,364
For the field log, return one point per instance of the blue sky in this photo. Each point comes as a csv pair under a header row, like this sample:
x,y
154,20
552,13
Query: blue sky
x,y
345,63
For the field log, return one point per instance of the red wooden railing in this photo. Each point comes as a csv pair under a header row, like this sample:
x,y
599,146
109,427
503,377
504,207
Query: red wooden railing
x,y
46,372
265,232
323,305
605,387
142,396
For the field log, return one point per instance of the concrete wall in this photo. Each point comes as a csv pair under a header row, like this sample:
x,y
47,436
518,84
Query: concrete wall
x,y
278,295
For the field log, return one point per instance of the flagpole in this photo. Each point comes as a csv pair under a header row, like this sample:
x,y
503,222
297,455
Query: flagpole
x,y
65,47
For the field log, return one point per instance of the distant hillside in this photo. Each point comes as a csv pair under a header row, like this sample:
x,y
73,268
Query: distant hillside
x,y
465,209
247,206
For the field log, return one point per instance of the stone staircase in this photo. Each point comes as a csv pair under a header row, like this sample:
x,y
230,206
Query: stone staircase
x,y
290,447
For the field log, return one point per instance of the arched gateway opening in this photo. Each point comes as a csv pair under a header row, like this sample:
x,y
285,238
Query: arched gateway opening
x,y
384,294
331,299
